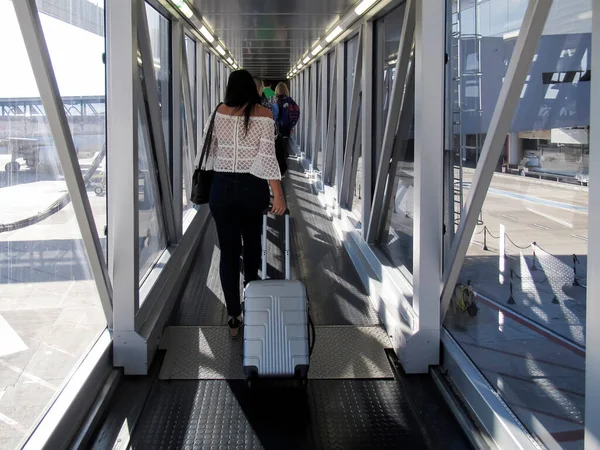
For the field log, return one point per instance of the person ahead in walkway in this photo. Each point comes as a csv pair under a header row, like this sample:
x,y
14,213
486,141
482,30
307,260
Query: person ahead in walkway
x,y
269,93
288,113
242,154
264,101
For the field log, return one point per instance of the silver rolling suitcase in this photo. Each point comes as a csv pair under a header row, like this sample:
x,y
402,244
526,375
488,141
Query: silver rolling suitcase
x,y
276,322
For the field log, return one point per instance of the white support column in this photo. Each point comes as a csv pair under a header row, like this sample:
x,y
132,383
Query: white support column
x,y
122,112
592,338
39,57
177,52
340,117
366,110
430,46
508,100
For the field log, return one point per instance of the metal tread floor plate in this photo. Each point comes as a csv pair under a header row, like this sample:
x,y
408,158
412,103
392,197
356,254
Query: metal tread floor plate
x,y
329,414
341,352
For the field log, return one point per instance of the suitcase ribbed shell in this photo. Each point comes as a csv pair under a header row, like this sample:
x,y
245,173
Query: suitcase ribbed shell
x,y
276,329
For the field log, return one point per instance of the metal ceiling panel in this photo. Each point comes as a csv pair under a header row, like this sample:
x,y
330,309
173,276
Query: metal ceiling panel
x,y
268,36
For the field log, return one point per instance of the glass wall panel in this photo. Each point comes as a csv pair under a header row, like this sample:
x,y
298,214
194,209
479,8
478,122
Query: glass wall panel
x,y
218,75
152,237
190,49
385,51
308,142
188,152
186,158
351,52
159,28
208,70
528,255
397,238
50,312
332,86
318,161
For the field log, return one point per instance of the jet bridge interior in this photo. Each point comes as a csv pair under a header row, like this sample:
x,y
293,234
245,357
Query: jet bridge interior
x,y
451,290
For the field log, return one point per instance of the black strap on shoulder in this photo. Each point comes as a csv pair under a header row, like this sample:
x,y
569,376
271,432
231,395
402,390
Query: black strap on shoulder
x,y
208,138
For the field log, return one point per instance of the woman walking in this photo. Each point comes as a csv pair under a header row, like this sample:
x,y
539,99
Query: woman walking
x,y
242,155
288,113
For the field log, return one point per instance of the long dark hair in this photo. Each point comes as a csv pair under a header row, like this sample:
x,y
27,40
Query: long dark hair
x,y
242,92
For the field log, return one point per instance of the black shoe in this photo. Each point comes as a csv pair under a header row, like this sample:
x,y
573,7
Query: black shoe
x,y
235,323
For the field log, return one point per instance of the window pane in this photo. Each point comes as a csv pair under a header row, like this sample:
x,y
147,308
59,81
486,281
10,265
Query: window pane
x,y
189,153
160,40
387,39
152,238
218,75
319,157
351,51
190,49
397,238
187,157
308,143
208,70
538,194
50,312
332,86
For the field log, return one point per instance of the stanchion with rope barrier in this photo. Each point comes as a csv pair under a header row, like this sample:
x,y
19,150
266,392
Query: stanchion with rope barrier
x,y
575,278
485,248
511,299
533,266
518,246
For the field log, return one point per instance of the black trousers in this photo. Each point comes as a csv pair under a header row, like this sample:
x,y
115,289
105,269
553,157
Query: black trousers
x,y
237,202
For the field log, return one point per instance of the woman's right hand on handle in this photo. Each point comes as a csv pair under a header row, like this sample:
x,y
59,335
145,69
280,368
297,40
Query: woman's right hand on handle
x,y
279,206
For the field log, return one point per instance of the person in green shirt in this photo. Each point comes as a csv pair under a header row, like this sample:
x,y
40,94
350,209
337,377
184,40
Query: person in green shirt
x,y
269,93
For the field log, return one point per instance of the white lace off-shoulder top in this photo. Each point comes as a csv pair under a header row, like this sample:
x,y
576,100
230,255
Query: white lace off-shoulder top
x,y
234,150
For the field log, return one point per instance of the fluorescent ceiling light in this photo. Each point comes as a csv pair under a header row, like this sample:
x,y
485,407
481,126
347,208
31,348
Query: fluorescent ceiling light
x,y
365,4
307,59
220,50
184,8
230,61
335,33
511,34
316,50
187,12
209,37
235,66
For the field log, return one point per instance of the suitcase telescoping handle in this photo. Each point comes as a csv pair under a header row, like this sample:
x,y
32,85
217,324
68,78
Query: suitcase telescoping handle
x,y
287,244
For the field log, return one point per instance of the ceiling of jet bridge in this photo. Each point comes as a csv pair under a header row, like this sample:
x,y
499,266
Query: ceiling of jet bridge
x,y
268,36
